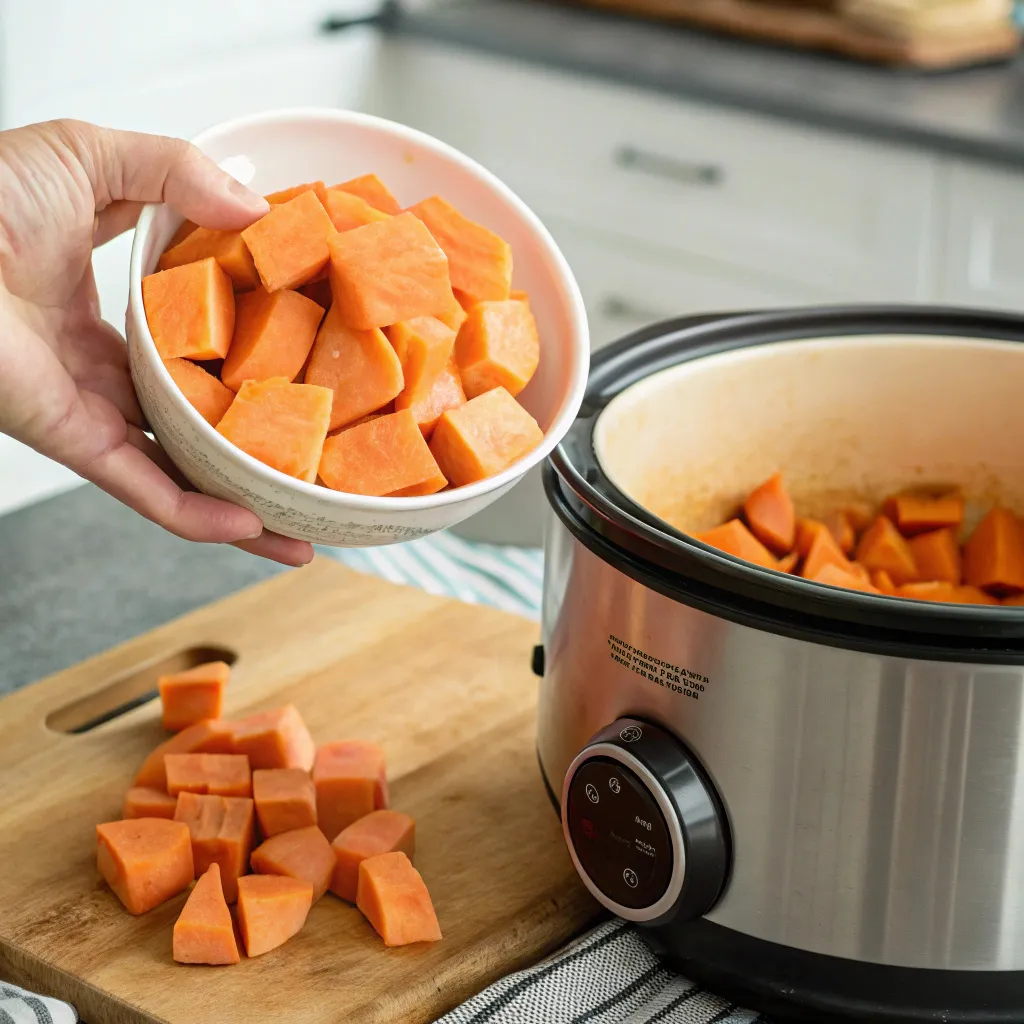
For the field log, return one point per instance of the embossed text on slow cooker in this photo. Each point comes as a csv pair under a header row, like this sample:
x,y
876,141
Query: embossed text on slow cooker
x,y
673,677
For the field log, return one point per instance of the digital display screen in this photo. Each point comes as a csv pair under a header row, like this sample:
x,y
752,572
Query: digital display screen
x,y
619,833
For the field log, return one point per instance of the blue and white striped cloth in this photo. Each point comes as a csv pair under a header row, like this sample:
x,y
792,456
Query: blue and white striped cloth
x,y
609,975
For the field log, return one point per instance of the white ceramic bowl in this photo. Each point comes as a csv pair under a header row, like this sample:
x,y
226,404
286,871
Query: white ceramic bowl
x,y
290,146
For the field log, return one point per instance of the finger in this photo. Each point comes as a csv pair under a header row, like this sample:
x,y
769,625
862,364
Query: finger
x,y
158,169
155,453
278,548
129,475
117,218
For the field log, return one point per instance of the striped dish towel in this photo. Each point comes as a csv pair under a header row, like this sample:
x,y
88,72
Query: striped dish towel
x,y
20,1007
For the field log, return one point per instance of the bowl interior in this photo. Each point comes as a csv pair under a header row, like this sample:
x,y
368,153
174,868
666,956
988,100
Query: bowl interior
x,y
844,418
289,147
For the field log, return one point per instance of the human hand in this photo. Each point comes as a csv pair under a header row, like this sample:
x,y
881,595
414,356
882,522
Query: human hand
x,y
65,390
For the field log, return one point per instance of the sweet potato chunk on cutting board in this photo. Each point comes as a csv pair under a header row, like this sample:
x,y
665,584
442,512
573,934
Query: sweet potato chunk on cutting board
x,y
190,310
193,695
274,332
271,909
378,832
915,513
226,247
349,211
497,346
276,739
221,829
370,188
216,774
208,737
281,424
770,516
204,932
285,799
289,244
144,802
994,554
483,437
360,367
350,780
394,899
734,538
388,271
144,860
937,555
384,455
207,395
303,853
882,547
480,261
287,194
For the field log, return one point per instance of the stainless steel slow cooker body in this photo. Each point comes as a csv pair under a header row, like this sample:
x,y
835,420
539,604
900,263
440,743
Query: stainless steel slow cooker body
x,y
813,799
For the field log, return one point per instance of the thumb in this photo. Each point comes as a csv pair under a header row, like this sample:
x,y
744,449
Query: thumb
x,y
144,168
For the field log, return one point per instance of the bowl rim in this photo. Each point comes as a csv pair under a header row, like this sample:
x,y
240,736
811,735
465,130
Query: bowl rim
x,y
579,366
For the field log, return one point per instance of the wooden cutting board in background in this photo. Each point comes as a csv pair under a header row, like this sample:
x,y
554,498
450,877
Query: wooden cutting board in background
x,y
447,690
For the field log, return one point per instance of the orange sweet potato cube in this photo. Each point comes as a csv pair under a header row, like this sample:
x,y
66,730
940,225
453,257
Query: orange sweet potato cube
x,y
216,774
207,737
394,899
289,244
424,346
497,347
446,393
144,860
378,832
276,739
193,695
384,455
286,194
226,247
221,829
143,802
303,853
349,211
370,188
350,780
190,310
274,332
483,437
388,271
480,261
281,424
360,367
271,909
207,395
204,932
285,799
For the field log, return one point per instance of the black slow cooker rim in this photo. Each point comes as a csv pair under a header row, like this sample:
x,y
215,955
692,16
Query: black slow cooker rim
x,y
592,506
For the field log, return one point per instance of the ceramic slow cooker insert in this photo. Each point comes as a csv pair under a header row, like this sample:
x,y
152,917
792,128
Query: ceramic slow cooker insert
x,y
812,798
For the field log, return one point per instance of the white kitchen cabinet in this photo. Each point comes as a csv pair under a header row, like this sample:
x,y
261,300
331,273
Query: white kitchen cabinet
x,y
810,206
984,237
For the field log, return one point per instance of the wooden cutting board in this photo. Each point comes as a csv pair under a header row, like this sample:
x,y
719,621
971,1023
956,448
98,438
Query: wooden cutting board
x,y
447,690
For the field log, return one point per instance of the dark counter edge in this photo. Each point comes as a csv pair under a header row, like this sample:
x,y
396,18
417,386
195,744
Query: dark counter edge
x,y
484,26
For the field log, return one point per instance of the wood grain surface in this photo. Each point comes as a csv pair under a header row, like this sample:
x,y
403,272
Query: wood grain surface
x,y
447,690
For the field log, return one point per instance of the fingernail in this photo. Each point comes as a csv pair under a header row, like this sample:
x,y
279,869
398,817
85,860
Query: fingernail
x,y
256,202
253,536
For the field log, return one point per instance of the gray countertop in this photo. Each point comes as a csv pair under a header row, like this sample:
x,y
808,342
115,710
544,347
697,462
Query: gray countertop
x,y
81,572
977,112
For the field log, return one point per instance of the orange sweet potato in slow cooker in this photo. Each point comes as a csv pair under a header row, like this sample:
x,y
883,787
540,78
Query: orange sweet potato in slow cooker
x,y
911,547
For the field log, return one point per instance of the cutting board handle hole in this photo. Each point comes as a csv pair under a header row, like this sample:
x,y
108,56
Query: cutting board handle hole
x,y
130,690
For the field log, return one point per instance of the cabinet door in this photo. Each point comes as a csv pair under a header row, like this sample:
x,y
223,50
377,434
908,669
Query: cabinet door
x,y
626,286
984,253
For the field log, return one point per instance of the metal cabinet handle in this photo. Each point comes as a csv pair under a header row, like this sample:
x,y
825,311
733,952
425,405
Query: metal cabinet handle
x,y
613,307
687,172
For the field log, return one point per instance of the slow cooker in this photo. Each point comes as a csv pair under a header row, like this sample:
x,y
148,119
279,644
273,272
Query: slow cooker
x,y
811,799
